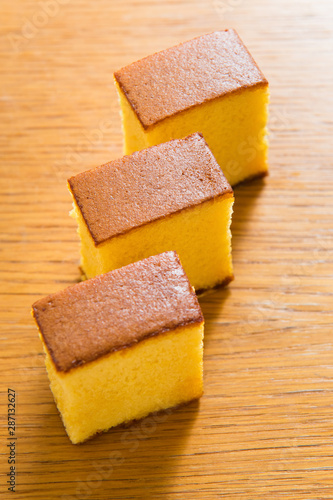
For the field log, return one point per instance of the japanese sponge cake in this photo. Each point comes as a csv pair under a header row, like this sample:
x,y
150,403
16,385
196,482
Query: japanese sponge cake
x,y
122,345
211,85
173,196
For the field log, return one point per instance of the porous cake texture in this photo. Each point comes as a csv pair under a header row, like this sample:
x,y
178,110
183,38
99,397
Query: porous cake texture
x,y
122,345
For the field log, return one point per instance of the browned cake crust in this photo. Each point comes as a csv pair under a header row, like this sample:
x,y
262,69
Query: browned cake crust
x,y
116,310
222,284
253,177
148,185
189,74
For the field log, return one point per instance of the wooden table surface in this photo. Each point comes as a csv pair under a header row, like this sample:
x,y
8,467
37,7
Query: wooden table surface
x,y
264,427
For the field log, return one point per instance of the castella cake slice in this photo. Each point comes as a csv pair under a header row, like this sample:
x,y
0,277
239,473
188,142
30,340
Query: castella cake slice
x,y
173,196
211,85
122,345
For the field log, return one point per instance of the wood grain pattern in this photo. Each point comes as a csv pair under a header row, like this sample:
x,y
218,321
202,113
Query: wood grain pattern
x,y
263,429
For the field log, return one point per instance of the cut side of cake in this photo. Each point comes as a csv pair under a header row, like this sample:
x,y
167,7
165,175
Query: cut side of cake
x,y
173,196
122,345
210,85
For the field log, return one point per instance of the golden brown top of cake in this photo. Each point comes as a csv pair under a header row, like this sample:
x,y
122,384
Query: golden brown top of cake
x,y
146,186
189,74
116,310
